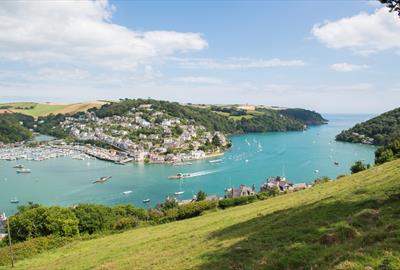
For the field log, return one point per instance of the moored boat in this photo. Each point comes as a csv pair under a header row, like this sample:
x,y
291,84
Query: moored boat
x,y
127,192
19,166
146,201
24,170
15,200
215,161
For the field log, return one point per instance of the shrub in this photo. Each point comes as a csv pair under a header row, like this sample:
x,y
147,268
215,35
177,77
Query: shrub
x,y
93,218
201,196
359,166
195,209
230,202
124,223
348,265
43,221
128,210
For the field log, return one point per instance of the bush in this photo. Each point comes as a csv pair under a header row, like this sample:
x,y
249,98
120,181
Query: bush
x,y
201,196
93,218
195,209
43,221
359,166
230,202
128,210
124,223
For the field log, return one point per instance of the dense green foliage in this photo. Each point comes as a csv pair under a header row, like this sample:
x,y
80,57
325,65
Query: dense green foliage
x,y
388,152
201,196
11,129
265,120
230,202
359,166
382,129
49,125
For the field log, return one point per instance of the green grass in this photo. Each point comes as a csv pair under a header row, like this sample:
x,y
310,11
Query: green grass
x,y
350,223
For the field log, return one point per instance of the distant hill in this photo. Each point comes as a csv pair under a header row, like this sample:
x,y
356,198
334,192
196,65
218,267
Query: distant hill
x,y
379,130
225,118
350,223
43,109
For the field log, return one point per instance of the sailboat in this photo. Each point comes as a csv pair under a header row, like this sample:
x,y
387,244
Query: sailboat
x,y
180,192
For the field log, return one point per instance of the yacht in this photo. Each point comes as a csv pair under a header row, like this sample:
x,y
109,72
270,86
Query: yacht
x,y
127,192
146,201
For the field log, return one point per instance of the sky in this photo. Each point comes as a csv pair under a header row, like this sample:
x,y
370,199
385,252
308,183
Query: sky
x,y
328,56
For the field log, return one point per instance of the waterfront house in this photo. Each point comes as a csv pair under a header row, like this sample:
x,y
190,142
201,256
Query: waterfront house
x,y
280,182
240,192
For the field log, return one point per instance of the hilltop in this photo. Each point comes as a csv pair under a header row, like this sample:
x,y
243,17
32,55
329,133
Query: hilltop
x,y
350,223
43,109
379,130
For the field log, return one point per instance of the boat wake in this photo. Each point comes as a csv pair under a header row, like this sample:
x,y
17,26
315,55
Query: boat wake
x,y
201,173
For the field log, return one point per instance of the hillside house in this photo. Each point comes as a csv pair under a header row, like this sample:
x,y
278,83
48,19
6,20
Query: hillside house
x,y
239,192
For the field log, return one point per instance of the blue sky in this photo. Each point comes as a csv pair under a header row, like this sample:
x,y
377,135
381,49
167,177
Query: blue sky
x,y
329,56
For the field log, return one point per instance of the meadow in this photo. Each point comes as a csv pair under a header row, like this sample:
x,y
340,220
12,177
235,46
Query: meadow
x,y
350,223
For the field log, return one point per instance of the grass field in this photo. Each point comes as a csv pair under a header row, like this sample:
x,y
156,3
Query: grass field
x,y
43,109
348,224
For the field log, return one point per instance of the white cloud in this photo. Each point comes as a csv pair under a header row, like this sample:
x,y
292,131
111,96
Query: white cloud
x,y
346,67
363,33
200,80
81,32
237,63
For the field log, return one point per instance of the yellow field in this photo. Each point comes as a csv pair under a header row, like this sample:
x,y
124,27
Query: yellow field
x,y
43,109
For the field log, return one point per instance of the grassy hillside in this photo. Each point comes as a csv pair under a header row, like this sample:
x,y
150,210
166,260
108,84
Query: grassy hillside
x,y
43,109
351,223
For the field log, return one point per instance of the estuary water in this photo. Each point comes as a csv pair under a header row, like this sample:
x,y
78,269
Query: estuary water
x,y
300,156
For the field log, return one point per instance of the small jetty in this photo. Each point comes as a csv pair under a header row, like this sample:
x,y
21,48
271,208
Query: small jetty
x,y
102,180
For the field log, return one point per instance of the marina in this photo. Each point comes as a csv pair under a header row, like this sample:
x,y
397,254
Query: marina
x,y
58,179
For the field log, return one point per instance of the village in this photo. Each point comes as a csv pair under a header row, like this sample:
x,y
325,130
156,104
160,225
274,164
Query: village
x,y
145,135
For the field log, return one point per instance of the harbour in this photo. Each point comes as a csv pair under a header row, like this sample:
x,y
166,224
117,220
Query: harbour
x,y
64,180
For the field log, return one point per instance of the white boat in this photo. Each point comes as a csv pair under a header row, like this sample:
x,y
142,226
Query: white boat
x,y
146,201
215,161
127,192
24,170
19,166
180,192
15,200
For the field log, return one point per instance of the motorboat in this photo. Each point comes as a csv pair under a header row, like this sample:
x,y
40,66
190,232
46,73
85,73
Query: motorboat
x,y
180,176
101,179
23,170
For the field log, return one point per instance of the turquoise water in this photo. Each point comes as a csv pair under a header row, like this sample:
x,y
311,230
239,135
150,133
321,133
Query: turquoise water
x,y
253,158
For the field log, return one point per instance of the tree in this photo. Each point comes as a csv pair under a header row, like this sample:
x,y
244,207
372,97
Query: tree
x,y
169,203
201,196
359,166
393,5
93,218
216,141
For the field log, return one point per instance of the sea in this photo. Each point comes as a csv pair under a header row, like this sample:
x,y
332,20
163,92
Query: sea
x,y
299,156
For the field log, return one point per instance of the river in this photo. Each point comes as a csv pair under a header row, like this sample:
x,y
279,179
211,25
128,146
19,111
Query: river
x,y
300,156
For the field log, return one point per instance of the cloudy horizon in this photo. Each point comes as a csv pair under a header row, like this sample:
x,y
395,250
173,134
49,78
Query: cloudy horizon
x,y
334,57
